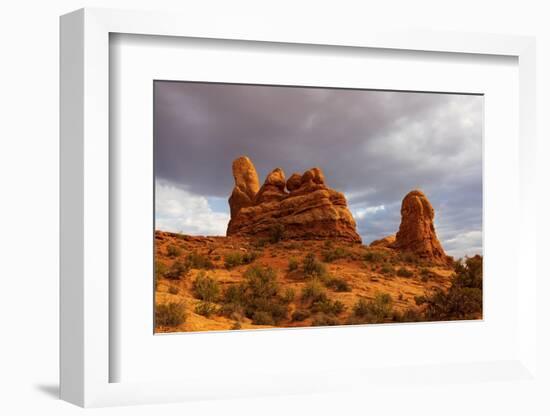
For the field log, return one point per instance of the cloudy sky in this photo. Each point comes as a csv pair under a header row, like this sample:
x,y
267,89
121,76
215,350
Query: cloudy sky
x,y
374,146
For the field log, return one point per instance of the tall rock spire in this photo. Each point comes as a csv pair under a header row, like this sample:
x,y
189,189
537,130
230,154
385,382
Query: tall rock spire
x,y
417,232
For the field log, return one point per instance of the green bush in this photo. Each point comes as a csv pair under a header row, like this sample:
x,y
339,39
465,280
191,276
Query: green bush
x,y
387,270
177,270
328,307
260,243
335,254
300,315
160,269
463,300
258,296
288,295
313,291
373,311
293,246
198,261
173,251
233,259
262,318
375,256
402,272
261,281
206,288
276,233
234,294
409,315
313,268
206,309
232,310
170,314
293,264
408,258
338,284
324,320
237,258
425,274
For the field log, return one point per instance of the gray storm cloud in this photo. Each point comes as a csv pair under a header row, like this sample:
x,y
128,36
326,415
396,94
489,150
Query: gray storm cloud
x,y
374,146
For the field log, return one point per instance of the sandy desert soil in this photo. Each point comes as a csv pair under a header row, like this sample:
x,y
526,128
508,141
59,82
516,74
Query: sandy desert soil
x,y
367,272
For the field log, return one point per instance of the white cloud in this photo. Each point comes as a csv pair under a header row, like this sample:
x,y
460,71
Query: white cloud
x,y
180,211
363,212
464,244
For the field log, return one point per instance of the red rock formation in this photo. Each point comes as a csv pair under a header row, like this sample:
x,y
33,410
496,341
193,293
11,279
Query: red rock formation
x,y
246,184
383,242
417,232
307,208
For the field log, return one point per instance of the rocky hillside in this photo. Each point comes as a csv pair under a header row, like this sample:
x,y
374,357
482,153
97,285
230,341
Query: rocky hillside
x,y
239,282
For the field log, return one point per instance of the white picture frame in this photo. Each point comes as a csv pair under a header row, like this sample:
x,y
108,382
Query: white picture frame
x,y
85,210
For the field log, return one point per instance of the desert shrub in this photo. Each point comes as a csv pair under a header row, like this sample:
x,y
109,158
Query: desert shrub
x,y
198,261
324,320
232,310
408,258
463,300
313,292
300,315
260,243
206,309
250,256
409,315
261,281
426,274
173,290
387,270
173,251
233,259
160,269
311,267
237,258
276,233
402,272
457,303
375,256
293,246
177,270
374,311
338,284
293,264
328,307
262,318
288,295
469,273
206,288
234,294
258,296
335,254
170,314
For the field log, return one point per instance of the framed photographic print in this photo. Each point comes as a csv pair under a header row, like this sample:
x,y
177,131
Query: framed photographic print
x,y
325,209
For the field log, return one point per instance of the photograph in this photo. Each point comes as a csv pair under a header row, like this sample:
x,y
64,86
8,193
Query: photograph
x,y
298,206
